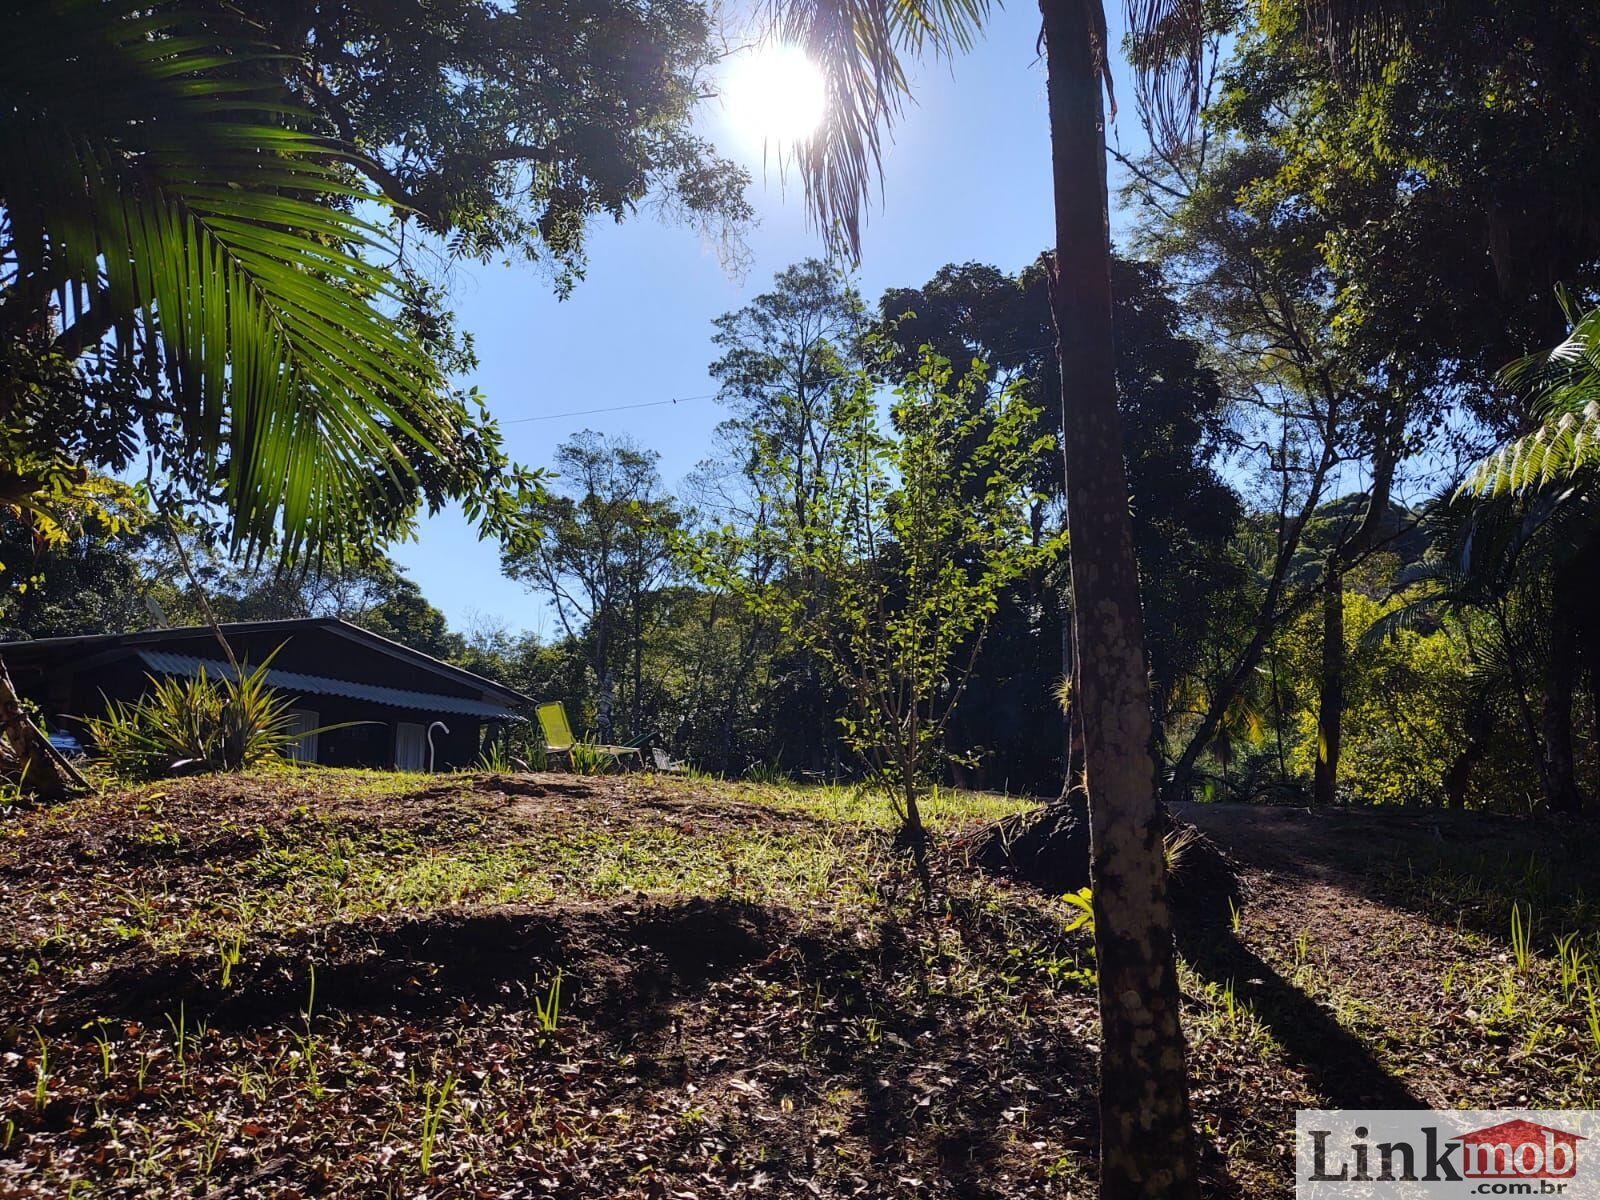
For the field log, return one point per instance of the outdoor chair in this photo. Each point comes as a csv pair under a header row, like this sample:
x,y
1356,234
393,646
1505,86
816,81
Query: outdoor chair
x,y
666,764
559,740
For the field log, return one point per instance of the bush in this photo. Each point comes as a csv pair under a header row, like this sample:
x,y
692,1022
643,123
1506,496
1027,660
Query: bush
x,y
520,748
199,724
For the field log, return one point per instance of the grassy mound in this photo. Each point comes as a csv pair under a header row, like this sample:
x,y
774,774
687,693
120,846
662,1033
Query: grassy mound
x,y
345,984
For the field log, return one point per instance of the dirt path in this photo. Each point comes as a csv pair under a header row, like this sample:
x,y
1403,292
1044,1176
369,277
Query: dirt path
x,y
1343,931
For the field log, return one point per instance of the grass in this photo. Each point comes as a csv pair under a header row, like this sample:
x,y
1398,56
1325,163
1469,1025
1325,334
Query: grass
x,y
224,894
321,866
379,984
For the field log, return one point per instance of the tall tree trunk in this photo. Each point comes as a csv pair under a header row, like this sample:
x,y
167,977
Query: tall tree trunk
x,y
1146,1146
636,717
1479,727
1071,734
1330,709
1277,714
1520,691
1560,775
605,679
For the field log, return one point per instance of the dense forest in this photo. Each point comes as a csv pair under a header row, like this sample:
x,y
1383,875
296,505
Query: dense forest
x,y
1310,633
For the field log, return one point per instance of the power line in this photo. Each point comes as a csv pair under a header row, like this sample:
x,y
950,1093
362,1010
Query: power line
x,y
589,412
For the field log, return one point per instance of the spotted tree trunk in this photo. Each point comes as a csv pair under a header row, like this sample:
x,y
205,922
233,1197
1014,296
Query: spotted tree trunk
x,y
1146,1146
1330,709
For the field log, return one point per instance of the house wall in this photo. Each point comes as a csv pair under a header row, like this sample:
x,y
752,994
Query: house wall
x,y
68,690
369,738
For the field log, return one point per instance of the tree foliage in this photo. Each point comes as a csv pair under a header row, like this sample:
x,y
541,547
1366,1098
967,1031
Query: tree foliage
x,y
893,572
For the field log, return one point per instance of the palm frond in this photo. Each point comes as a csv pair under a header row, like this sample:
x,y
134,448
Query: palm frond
x,y
860,47
155,189
1361,36
1419,613
1165,48
1566,385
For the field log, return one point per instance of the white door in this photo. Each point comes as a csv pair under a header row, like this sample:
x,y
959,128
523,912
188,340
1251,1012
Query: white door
x,y
304,747
410,747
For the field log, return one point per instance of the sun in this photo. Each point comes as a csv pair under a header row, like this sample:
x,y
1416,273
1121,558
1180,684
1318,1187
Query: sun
x,y
775,95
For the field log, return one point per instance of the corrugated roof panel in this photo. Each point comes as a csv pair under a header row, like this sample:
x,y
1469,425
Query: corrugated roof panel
x,y
167,663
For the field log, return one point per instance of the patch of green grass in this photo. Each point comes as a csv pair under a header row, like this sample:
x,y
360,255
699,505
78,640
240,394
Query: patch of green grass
x,y
855,804
320,866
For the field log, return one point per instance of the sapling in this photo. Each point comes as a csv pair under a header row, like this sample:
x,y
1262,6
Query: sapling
x,y
892,570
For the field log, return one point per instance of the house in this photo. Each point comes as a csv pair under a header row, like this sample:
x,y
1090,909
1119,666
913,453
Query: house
x,y
335,673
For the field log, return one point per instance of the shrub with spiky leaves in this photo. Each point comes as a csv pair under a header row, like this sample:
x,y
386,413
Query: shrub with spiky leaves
x,y
203,723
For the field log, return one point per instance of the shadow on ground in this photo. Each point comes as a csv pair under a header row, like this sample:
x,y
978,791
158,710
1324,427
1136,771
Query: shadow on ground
x,y
1339,1064
624,961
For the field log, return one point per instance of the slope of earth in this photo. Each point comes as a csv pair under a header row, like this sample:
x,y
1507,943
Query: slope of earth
x,y
325,983
1409,959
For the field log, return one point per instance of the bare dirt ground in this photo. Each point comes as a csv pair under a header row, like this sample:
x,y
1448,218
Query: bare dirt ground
x,y
336,984
1366,937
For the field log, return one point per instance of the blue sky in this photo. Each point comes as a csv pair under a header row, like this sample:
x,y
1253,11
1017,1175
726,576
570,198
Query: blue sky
x,y
967,179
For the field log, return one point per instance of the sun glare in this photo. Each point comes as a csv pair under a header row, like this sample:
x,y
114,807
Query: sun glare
x,y
776,95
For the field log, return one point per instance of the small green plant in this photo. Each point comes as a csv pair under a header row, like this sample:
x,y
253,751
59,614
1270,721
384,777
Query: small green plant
x,y
548,1010
229,950
1083,901
1592,1015
767,775
199,723
311,994
1175,846
532,753
306,1043
1508,996
1302,946
41,1075
434,1099
1235,915
585,758
180,1034
494,757
104,1043
1521,938
1573,965
1230,1005
520,749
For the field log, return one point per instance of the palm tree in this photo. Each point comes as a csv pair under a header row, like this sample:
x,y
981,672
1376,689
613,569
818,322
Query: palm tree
x,y
1145,1137
160,206
159,210
1146,1143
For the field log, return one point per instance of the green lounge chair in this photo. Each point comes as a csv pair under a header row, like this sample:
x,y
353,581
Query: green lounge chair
x,y
559,740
